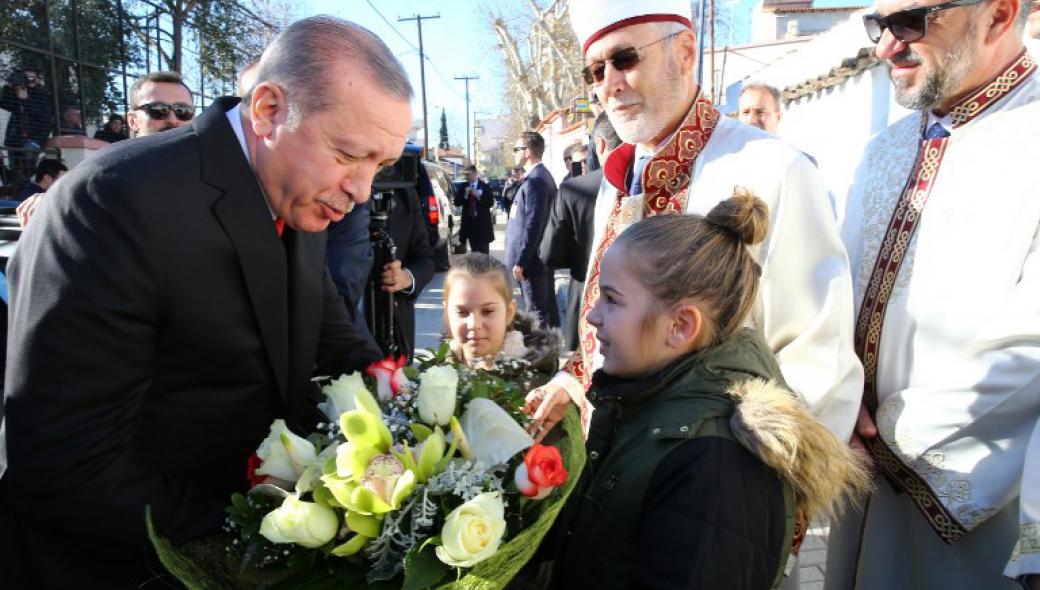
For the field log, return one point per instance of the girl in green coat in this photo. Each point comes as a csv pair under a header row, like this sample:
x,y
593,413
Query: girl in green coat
x,y
700,459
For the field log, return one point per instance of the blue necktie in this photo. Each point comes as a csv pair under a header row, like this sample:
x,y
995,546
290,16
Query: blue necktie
x,y
936,131
636,186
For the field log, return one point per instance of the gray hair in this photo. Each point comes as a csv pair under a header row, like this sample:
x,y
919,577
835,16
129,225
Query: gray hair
x,y
772,90
300,58
1022,18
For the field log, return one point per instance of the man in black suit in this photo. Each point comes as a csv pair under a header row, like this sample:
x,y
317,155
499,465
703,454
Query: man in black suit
x,y
567,242
526,225
476,200
171,300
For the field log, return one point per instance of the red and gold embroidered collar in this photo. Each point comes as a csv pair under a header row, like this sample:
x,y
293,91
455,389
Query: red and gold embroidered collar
x,y
992,91
667,175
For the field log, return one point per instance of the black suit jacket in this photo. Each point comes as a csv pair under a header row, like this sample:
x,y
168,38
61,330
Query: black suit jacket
x,y
567,242
481,227
158,326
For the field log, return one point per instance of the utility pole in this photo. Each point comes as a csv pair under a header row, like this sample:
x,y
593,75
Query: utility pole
x,y
469,154
422,79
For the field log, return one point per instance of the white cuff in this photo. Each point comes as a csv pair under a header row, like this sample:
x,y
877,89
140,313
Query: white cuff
x,y
571,385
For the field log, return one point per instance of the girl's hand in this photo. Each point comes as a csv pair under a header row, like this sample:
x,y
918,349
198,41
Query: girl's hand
x,y
546,405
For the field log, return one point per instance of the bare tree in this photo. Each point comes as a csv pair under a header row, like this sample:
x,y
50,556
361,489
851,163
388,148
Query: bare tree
x,y
542,59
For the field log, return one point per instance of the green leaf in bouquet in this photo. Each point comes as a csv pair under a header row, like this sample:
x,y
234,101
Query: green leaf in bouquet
x,y
422,569
351,547
362,524
364,428
303,559
323,496
412,373
241,506
432,453
420,430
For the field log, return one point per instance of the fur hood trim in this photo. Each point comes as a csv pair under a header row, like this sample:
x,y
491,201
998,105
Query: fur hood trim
x,y
543,345
826,474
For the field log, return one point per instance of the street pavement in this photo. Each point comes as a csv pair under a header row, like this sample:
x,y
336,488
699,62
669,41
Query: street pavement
x,y
429,331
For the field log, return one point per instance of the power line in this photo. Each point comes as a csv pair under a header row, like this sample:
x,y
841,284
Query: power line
x,y
389,24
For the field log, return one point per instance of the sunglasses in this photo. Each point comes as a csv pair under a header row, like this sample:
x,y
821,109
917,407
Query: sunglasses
x,y
519,148
908,25
161,110
623,60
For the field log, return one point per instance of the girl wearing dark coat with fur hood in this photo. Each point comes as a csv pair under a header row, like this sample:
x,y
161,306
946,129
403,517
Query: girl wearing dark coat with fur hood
x,y
701,460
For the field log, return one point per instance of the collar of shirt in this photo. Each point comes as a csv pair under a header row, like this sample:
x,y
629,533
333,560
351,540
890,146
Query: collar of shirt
x,y
234,117
946,121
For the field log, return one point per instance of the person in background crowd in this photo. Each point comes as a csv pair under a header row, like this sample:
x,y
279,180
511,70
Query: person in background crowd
x,y
516,177
533,203
641,57
72,121
476,201
567,242
195,309
32,117
567,159
759,106
159,101
48,170
949,405
114,130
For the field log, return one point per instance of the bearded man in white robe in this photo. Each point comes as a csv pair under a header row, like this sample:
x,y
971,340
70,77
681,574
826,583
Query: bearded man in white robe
x,y
681,156
941,227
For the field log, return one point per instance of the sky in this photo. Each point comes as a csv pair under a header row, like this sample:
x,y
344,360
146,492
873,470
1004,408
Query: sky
x,y
461,43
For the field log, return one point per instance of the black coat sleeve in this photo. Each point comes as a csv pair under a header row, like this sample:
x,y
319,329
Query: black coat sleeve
x,y
418,257
713,518
539,196
83,333
558,239
349,256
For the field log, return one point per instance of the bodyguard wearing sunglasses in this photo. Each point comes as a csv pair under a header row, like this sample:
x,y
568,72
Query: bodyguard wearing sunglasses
x,y
942,226
159,101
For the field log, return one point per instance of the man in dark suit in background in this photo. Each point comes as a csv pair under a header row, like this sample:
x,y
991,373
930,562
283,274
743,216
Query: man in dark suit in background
x,y
567,242
171,299
526,225
477,201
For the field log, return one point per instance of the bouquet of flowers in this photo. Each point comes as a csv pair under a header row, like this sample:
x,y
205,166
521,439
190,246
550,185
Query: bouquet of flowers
x,y
429,482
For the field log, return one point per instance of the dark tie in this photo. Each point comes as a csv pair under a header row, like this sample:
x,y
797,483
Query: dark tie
x,y
636,186
936,131
279,226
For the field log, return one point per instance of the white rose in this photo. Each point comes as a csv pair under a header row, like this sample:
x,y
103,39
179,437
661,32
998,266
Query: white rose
x,y
284,454
304,523
473,531
436,398
493,434
341,394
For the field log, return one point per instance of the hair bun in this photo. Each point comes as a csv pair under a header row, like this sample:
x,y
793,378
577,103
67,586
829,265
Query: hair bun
x,y
744,216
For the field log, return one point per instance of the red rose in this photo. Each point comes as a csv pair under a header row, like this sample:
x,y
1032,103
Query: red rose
x,y
389,376
545,466
252,465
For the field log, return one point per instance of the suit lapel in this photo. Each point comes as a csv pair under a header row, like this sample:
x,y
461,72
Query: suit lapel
x,y
244,214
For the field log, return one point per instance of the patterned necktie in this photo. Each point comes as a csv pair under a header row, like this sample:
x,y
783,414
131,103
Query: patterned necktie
x,y
936,131
636,186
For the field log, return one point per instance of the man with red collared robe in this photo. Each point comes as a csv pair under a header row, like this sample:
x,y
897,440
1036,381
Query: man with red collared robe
x,y
682,157
943,233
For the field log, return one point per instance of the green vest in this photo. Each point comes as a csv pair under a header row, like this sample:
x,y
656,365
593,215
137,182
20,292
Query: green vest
x,y
628,440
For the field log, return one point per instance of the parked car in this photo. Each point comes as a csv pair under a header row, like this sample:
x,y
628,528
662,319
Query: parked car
x,y
440,213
